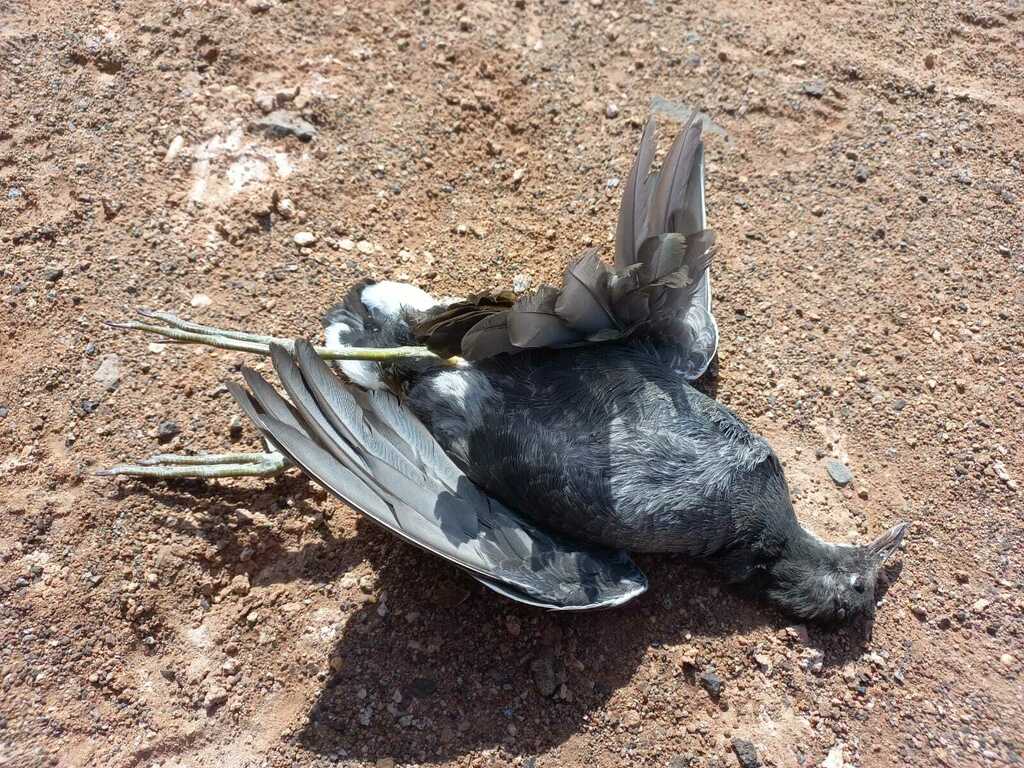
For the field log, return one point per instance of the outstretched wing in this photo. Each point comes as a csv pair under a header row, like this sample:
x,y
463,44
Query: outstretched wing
x,y
375,455
659,282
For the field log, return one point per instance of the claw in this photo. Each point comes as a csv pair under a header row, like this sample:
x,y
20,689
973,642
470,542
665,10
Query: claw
x,y
207,466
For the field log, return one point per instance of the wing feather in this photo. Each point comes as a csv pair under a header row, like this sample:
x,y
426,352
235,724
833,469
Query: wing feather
x,y
381,460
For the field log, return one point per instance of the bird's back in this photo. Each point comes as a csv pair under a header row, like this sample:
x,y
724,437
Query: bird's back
x,y
606,443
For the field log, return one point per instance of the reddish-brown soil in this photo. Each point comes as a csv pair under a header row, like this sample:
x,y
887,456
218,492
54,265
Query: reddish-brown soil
x,y
866,187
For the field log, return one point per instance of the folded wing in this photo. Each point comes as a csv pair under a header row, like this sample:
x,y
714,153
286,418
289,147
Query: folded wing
x,y
375,455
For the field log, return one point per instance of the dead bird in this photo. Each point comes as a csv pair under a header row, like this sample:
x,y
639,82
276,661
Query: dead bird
x,y
564,436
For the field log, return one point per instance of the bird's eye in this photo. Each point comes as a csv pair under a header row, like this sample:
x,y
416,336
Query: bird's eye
x,y
857,582
841,614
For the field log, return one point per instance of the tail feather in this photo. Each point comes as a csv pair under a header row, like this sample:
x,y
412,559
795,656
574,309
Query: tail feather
x,y
380,459
659,283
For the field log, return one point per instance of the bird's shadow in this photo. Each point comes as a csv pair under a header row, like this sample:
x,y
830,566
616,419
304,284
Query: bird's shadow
x,y
446,667
432,665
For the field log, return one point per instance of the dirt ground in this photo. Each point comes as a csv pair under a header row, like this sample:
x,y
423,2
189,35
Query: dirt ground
x,y
865,180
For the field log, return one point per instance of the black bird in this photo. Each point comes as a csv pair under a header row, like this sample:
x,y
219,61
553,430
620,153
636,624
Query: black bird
x,y
566,435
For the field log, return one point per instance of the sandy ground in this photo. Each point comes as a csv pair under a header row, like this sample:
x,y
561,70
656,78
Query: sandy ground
x,y
865,180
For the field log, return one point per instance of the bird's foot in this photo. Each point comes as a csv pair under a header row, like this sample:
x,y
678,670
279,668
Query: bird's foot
x,y
178,331
208,466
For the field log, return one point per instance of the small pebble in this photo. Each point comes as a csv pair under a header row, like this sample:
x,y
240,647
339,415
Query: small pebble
x,y
839,472
109,372
286,208
814,88
283,123
172,151
521,283
861,174
303,239
745,753
167,430
201,300
544,677
834,758
215,697
611,111
711,682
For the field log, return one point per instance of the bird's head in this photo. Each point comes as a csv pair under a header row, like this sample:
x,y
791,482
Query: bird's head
x,y
831,583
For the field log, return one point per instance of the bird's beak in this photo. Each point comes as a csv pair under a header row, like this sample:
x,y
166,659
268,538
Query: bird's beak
x,y
883,547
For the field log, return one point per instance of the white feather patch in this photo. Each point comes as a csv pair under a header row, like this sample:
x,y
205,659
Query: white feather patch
x,y
386,299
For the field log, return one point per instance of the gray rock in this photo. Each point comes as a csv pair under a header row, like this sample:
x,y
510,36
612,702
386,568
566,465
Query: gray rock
x,y
745,753
284,123
543,669
167,430
861,174
4,411
521,283
963,176
814,88
712,683
1007,196
611,111
422,687
109,372
839,472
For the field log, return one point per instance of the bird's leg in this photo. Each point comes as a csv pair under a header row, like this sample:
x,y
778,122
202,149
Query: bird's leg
x,y
178,331
208,466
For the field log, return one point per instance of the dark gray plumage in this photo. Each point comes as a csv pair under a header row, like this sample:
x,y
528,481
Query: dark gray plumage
x,y
376,456
606,442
